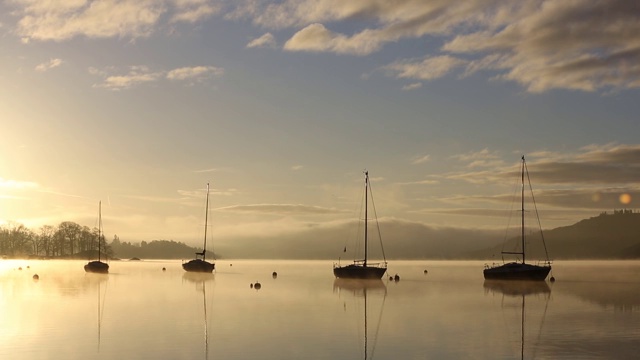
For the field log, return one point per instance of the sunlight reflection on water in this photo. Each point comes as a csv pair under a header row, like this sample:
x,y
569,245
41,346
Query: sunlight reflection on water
x,y
139,311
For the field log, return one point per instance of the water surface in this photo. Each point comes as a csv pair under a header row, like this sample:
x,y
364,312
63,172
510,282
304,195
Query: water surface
x,y
139,311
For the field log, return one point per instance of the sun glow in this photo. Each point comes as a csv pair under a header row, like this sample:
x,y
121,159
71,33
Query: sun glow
x,y
625,199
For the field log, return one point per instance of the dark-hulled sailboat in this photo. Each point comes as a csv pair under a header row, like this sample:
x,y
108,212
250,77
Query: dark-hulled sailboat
x,y
200,264
97,266
362,269
521,270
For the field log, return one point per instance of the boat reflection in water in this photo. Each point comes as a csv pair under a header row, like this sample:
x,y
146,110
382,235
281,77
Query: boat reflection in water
x,y
521,289
365,289
200,279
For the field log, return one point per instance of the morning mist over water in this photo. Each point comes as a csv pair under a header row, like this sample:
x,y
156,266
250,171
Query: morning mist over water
x,y
450,312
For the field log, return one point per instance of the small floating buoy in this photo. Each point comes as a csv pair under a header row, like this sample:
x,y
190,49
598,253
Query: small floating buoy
x,y
552,279
36,277
274,274
425,271
20,268
164,269
230,264
257,286
396,277
390,278
28,267
251,285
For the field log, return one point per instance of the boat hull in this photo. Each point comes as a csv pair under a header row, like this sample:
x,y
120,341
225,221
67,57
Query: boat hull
x,y
198,265
97,267
358,272
517,271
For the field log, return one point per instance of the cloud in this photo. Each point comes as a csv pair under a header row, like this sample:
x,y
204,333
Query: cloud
x,y
192,11
282,209
16,184
482,158
412,86
196,73
426,69
53,63
141,74
66,19
136,75
296,167
421,159
595,177
540,44
266,40
317,38
62,20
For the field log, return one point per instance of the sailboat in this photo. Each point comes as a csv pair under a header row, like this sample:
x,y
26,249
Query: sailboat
x,y
521,270
97,266
361,269
201,264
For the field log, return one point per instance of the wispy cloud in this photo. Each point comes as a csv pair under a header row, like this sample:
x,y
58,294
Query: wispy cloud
x,y
266,40
421,159
296,167
62,20
192,11
412,86
196,73
425,69
137,75
66,19
541,44
17,184
611,165
282,209
53,63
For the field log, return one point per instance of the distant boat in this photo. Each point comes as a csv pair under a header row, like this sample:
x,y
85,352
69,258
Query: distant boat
x,y
521,270
200,264
97,266
361,269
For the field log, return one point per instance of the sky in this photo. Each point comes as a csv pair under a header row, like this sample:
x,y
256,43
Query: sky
x,y
281,106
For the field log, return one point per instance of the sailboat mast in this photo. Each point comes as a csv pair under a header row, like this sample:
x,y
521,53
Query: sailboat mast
x,y
206,224
522,212
366,210
99,226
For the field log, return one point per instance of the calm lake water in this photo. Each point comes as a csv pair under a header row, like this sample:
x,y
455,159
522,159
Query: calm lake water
x,y
138,311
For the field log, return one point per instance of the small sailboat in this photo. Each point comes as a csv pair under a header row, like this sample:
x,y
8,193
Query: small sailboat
x,y
362,269
97,266
521,270
200,264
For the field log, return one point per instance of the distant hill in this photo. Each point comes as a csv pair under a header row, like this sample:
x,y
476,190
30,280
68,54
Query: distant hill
x,y
156,249
607,236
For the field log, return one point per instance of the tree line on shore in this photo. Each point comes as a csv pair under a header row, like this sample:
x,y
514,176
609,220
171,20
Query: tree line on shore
x,y
71,240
